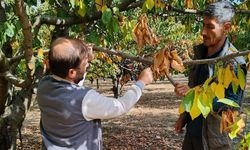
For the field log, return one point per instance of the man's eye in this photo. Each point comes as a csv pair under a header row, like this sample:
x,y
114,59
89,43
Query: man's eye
x,y
210,27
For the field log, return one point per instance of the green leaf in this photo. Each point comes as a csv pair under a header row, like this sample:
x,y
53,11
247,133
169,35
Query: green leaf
x,y
107,16
115,24
203,106
144,8
228,102
235,88
150,4
72,2
116,10
9,29
93,38
188,100
236,127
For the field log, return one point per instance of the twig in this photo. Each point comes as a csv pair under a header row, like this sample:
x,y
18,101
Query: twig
x,y
170,79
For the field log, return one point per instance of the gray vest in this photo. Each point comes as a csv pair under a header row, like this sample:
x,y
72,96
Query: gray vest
x,y
63,126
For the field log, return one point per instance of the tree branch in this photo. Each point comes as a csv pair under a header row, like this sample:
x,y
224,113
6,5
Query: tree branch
x,y
186,63
184,11
123,55
215,60
27,34
76,20
198,12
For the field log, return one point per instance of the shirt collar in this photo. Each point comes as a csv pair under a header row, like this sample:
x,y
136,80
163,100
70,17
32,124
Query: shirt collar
x,y
219,53
61,79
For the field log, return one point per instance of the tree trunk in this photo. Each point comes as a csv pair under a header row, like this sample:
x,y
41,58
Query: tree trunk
x,y
97,83
116,86
14,114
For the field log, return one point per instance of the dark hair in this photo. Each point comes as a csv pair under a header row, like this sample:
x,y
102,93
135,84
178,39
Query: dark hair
x,y
65,54
223,10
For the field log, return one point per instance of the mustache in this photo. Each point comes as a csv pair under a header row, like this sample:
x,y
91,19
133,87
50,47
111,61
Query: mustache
x,y
205,37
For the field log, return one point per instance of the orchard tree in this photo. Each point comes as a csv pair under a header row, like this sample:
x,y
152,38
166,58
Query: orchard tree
x,y
126,35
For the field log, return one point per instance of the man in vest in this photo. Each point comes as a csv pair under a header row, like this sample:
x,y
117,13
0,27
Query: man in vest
x,y
71,114
204,133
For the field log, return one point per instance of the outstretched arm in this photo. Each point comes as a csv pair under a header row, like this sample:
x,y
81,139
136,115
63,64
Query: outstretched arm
x,y
97,106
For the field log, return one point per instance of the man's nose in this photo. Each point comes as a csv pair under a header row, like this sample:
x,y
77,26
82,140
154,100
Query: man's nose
x,y
203,32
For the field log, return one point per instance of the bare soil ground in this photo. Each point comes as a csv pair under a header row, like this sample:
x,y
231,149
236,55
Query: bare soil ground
x,y
147,126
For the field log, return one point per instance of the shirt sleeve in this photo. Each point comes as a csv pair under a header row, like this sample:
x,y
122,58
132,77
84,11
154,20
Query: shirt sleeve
x,y
98,106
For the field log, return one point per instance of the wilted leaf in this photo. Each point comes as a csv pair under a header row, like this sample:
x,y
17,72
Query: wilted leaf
x,y
143,34
178,67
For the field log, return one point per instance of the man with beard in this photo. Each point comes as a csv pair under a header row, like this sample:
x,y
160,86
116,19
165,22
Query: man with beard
x,y
71,114
204,133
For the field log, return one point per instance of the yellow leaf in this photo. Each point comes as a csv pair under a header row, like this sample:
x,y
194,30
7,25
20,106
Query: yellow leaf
x,y
204,97
150,4
82,8
189,3
232,49
213,86
219,91
205,85
248,66
249,55
109,61
104,7
99,4
228,76
221,75
195,111
118,58
181,109
241,77
40,52
210,97
159,4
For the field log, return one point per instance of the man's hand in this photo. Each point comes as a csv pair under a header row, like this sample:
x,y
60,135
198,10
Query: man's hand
x,y
180,89
146,76
180,123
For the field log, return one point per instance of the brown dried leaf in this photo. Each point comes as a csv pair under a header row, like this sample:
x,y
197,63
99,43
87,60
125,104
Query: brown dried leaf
x,y
143,34
178,67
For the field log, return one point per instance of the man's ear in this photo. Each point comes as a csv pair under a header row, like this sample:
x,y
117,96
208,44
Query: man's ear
x,y
71,73
227,26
